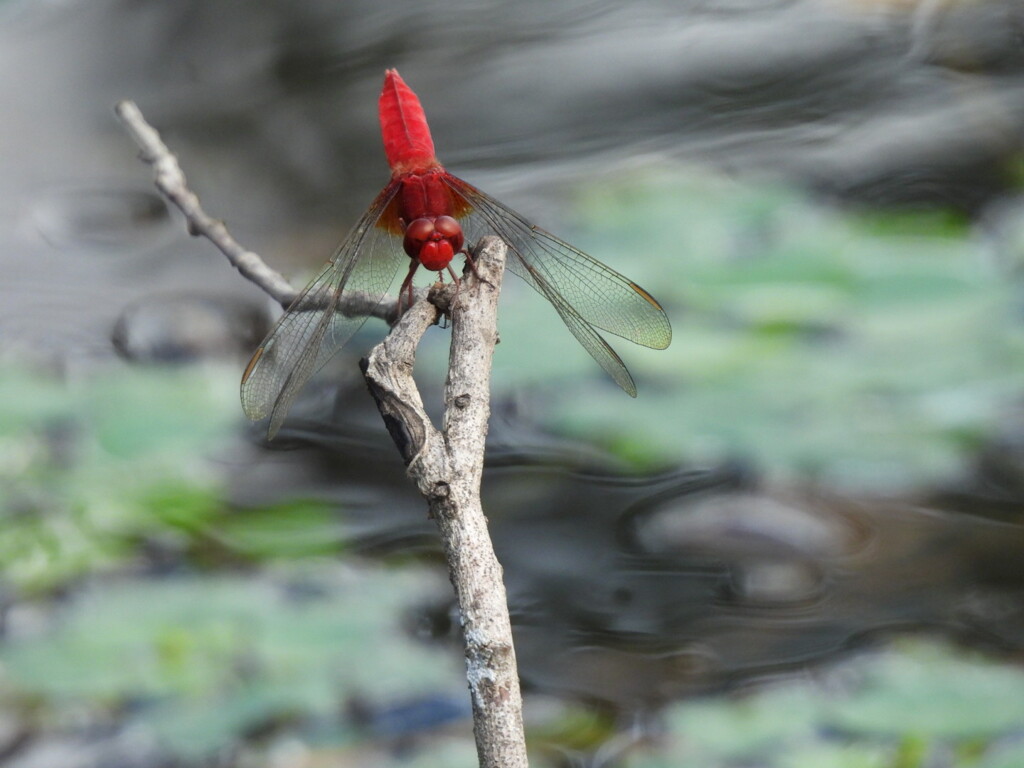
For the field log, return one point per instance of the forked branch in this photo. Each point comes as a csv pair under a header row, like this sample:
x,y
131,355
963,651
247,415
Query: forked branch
x,y
446,464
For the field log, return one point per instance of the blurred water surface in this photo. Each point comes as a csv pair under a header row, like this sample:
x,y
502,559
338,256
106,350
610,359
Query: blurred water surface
x,y
824,194
271,106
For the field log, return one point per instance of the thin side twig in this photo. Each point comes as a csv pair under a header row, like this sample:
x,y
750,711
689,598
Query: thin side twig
x,y
170,180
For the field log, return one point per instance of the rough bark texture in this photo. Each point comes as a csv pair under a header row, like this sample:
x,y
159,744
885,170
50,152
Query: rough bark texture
x,y
447,467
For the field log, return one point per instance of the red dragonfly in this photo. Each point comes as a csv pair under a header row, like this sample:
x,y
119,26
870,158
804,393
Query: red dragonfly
x,y
427,215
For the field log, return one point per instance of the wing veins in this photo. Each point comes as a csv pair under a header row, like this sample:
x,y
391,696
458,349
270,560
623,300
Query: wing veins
x,y
295,349
592,342
601,296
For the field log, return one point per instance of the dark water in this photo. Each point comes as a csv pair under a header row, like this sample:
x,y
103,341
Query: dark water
x,y
633,589
629,589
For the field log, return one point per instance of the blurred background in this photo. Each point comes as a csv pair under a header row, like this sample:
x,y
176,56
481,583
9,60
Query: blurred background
x,y
802,545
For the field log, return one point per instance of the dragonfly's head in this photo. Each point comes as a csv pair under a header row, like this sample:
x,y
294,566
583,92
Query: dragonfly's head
x,y
433,241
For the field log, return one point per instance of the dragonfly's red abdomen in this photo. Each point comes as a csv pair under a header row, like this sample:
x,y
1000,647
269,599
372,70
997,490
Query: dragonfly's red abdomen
x,y
407,142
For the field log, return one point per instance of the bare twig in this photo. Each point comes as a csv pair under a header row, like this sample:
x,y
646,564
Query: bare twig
x,y
447,465
170,181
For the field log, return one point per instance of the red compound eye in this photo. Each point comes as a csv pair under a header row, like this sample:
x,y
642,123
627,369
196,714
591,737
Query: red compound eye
x,y
417,234
451,230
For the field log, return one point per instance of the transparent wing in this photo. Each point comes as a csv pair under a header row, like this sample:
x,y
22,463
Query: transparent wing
x,y
585,293
312,330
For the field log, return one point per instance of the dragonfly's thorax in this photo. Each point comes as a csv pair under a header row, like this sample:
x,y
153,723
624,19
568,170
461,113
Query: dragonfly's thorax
x,y
432,235
433,241
424,195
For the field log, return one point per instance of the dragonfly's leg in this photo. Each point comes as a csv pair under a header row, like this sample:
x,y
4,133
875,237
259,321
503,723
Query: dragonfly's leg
x,y
455,280
407,285
472,264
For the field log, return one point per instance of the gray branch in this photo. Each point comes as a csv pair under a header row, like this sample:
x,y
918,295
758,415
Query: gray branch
x,y
447,465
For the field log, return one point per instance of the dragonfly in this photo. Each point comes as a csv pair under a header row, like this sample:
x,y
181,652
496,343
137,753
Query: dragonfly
x,y
426,216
